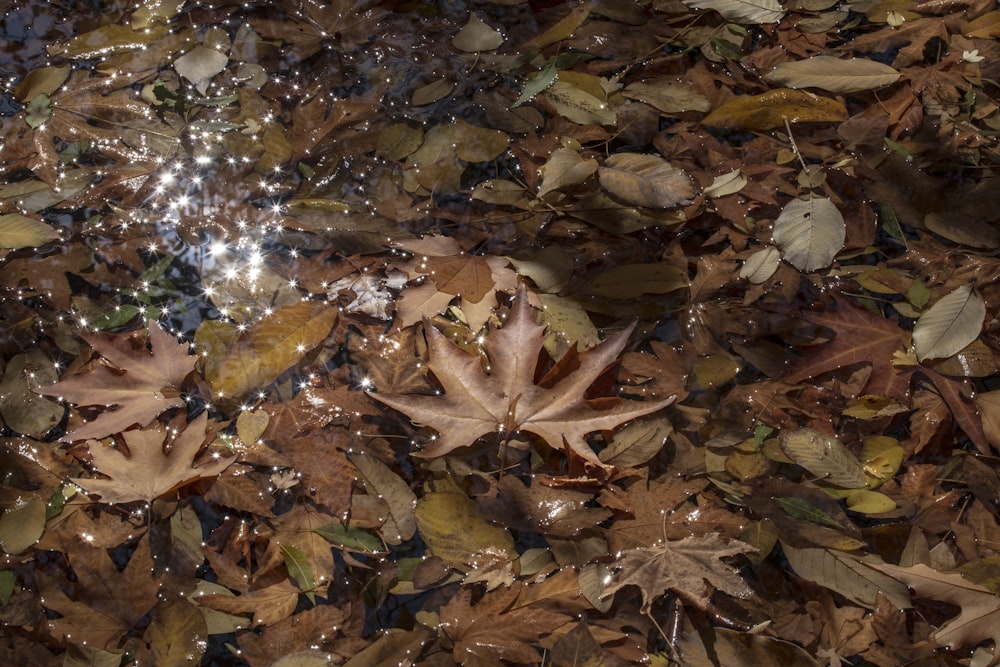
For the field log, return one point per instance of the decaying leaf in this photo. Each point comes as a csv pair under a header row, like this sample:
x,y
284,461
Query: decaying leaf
x,y
141,384
950,324
825,457
772,109
154,465
691,568
834,74
810,232
507,399
20,231
743,11
645,180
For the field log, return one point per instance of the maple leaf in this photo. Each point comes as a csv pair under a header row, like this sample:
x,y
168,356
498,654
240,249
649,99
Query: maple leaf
x,y
103,603
143,384
150,471
980,616
507,399
861,337
689,567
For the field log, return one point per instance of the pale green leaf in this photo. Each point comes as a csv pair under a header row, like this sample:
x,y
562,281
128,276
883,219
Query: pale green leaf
x,y
825,457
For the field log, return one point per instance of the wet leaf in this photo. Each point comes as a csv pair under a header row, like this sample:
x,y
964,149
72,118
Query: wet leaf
x,y
853,578
141,384
38,111
950,324
810,232
537,83
579,106
150,470
761,265
268,605
562,29
22,524
508,399
476,35
667,95
271,347
109,39
632,280
391,488
726,184
565,167
175,636
456,532
23,410
866,501
431,92
834,74
742,11
825,457
200,64
770,110
646,180
41,81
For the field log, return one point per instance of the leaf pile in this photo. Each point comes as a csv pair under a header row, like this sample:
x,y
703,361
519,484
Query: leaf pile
x,y
500,332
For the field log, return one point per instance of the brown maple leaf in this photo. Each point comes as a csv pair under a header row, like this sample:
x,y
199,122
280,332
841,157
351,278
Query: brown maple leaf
x,y
142,385
150,470
507,399
690,568
980,617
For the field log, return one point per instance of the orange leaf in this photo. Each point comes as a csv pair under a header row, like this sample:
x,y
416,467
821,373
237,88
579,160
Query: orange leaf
x,y
769,110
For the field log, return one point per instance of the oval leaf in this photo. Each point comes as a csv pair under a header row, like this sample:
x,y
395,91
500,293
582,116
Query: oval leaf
x,y
579,106
742,11
645,180
770,110
834,74
949,325
810,232
825,457
476,35
761,265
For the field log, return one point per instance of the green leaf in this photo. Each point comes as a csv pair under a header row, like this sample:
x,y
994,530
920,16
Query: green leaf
x,y
6,585
22,524
537,83
300,569
350,538
803,509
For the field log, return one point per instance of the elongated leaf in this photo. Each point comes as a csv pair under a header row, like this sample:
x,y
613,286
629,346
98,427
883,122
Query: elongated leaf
x,y
579,106
834,74
645,180
949,325
742,11
825,457
391,488
19,231
846,575
770,110
810,232
668,95
273,346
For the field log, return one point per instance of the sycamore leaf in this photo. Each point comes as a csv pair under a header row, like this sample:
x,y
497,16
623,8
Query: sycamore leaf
x,y
143,383
742,11
950,324
980,616
476,403
834,74
810,232
268,605
770,110
150,471
691,568
646,180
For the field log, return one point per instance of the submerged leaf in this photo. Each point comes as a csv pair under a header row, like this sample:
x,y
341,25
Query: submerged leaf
x,y
646,180
476,35
743,11
19,231
770,110
834,74
950,324
825,457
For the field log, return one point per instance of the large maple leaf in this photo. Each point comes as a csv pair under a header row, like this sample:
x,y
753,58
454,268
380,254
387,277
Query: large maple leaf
x,y
507,399
150,470
689,567
861,338
142,384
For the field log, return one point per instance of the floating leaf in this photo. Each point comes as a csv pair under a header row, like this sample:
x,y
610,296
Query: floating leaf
x,y
742,11
200,64
769,110
845,574
579,106
432,92
391,488
562,29
476,35
668,95
949,325
565,167
631,280
22,524
273,345
825,457
41,81
538,82
986,26
645,180
726,184
455,531
836,75
866,501
810,232
23,410
38,110
761,265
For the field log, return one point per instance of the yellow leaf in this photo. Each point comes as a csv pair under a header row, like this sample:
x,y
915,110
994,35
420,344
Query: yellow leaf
x,y
769,110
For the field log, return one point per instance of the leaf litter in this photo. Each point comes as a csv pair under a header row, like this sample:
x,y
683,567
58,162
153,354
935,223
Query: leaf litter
x,y
494,333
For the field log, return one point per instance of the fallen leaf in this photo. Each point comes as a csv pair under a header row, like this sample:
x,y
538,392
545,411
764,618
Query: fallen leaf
x,y
953,322
836,75
150,470
143,383
505,398
645,180
743,11
770,110
476,35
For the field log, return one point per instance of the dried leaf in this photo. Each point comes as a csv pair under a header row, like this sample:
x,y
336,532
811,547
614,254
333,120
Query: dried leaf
x,y
200,64
476,35
853,578
20,231
150,471
825,457
810,232
646,180
953,322
690,568
22,524
476,404
145,383
834,74
565,167
268,605
742,11
579,106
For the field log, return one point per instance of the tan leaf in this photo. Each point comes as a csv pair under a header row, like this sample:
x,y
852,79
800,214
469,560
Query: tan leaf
x,y
268,605
150,471
834,74
691,568
476,403
145,383
770,110
645,180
